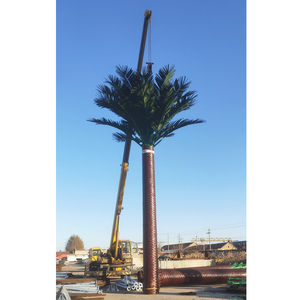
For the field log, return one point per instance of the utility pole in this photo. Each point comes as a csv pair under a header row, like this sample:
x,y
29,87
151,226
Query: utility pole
x,y
203,240
168,244
179,241
196,240
209,238
159,245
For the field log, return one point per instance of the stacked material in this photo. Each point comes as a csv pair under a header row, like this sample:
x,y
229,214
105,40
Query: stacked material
x,y
130,284
84,287
63,294
61,275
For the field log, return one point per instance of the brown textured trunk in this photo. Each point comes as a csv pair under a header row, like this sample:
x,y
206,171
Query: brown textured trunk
x,y
150,285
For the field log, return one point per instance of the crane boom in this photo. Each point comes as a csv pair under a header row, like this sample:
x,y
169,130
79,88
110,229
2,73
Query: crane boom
x,y
124,168
147,17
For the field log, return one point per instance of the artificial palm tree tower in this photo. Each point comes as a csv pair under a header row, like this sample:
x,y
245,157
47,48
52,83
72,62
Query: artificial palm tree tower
x,y
146,106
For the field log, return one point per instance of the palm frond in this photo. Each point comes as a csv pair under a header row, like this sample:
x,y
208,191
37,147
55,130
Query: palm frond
x,y
120,137
146,105
126,74
169,129
164,76
122,125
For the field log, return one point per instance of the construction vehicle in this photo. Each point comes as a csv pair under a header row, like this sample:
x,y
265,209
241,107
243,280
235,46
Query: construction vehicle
x,y
117,260
94,253
110,263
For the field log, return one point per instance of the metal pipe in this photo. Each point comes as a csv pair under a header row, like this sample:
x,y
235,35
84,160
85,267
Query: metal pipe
x,y
199,275
81,285
121,285
61,275
87,283
79,288
85,288
113,288
130,284
140,274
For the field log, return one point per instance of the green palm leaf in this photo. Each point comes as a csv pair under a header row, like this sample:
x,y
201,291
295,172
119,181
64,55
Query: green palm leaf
x,y
146,105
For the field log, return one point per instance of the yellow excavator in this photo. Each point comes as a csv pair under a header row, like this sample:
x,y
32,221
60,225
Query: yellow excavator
x,y
117,260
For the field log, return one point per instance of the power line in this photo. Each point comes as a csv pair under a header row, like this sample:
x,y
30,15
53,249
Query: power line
x,y
239,237
229,226
174,235
214,228
199,230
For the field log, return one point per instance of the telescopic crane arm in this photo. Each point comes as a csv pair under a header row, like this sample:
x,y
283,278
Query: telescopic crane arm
x,y
147,17
115,230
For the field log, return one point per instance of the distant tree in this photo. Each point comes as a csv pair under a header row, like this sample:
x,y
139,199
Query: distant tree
x,y
74,242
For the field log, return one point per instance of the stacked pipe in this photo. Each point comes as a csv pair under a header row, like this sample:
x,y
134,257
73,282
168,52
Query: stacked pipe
x,y
84,287
61,275
200,275
113,288
130,284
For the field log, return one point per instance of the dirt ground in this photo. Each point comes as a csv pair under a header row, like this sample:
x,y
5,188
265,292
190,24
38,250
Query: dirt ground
x,y
203,292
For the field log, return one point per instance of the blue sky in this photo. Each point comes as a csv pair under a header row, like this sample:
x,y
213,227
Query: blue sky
x,y
54,164
201,171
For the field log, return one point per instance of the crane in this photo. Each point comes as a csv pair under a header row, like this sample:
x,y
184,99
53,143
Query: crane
x,y
125,163
116,260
